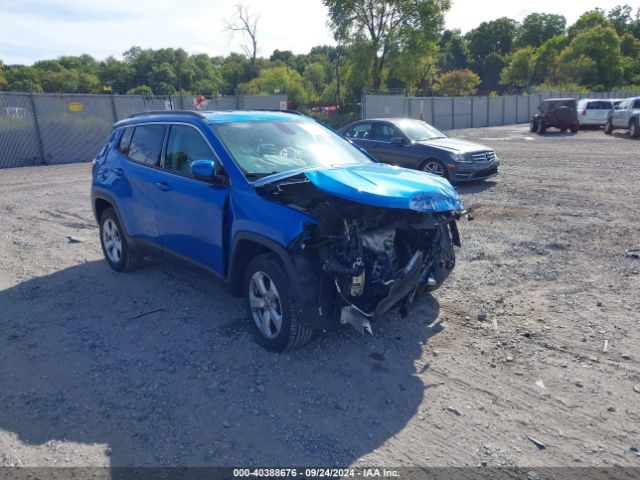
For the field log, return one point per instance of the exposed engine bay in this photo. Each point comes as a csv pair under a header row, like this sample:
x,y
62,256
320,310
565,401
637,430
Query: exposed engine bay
x,y
368,259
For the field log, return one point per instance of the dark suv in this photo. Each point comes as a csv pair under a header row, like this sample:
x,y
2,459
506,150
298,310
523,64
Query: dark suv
x,y
310,229
559,113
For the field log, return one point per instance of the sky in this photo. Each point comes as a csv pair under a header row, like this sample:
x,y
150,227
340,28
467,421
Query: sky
x,y
32,30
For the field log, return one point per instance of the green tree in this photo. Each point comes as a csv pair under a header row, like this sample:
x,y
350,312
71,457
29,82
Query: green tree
x,y
454,52
519,71
279,80
587,21
3,81
496,36
457,83
116,74
545,61
384,26
141,90
593,58
620,18
537,28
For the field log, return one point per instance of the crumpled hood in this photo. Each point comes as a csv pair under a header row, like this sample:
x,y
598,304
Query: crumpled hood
x,y
381,185
455,145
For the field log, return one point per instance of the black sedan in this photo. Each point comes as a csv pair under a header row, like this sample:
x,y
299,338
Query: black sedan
x,y
416,144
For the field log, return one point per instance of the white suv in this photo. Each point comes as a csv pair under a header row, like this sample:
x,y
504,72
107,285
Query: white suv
x,y
593,111
625,115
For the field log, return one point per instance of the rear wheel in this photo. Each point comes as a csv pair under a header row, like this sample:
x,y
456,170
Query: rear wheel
x,y
533,126
435,167
608,127
575,128
634,131
120,255
273,307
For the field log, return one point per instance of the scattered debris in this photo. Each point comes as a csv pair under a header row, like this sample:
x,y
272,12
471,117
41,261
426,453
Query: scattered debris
x,y
74,239
605,347
454,410
482,317
633,252
226,424
636,388
537,443
147,313
540,384
579,384
611,408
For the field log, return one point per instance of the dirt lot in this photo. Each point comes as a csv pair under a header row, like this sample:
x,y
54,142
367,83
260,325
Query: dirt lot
x,y
156,367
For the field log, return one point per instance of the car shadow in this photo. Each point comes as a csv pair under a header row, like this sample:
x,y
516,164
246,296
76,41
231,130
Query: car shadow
x,y
476,186
624,135
156,368
557,133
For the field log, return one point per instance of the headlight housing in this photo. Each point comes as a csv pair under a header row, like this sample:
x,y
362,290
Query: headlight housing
x,y
459,157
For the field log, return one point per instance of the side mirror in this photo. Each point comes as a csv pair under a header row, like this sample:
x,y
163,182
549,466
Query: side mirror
x,y
397,141
206,170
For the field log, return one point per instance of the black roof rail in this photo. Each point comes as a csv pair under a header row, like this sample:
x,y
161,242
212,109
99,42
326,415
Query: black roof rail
x,y
294,112
192,113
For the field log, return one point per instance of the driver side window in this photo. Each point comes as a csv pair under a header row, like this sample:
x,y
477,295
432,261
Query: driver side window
x,y
185,145
385,132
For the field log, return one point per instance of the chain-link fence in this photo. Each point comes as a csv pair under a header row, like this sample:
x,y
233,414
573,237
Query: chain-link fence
x,y
448,113
48,129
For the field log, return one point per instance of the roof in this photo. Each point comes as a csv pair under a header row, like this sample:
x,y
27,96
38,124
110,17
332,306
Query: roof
x,y
214,117
567,99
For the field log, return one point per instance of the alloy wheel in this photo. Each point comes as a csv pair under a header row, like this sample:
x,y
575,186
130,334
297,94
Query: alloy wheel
x,y
112,240
265,305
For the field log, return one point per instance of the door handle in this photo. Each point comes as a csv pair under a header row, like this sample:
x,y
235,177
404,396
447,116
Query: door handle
x,y
165,187
119,172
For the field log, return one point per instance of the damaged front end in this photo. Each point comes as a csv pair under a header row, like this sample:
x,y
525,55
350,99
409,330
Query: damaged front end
x,y
363,259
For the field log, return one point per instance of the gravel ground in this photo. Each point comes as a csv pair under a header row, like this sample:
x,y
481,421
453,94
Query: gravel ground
x,y
502,366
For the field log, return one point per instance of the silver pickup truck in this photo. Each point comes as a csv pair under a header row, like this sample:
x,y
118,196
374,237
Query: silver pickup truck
x,y
625,115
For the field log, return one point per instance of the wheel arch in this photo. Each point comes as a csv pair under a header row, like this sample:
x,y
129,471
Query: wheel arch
x,y
246,246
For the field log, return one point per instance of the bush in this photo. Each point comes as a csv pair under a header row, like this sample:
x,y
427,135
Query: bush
x,y
457,83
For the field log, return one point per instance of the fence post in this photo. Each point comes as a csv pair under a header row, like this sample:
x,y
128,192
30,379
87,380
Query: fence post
x,y
453,113
114,111
36,125
433,112
504,107
181,97
488,113
472,97
517,101
528,108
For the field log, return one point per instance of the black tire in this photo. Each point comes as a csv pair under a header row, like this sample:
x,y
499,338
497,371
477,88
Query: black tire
x,y
120,255
293,332
634,131
533,126
542,128
608,127
435,167
575,128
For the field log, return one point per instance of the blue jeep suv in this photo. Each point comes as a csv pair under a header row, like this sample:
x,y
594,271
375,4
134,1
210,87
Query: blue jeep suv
x,y
306,226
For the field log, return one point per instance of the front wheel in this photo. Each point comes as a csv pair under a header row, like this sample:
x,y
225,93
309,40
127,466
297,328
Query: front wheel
x,y
634,131
533,127
542,128
435,167
273,307
608,127
119,254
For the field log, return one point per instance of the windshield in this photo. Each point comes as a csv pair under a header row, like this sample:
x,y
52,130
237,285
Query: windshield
x,y
263,148
418,131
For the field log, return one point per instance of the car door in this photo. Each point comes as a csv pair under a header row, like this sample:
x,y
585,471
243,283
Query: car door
x,y
138,172
190,212
393,153
619,114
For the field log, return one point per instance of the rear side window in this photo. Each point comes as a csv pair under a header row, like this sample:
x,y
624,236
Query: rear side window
x,y
599,105
146,144
362,131
185,145
125,141
636,104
